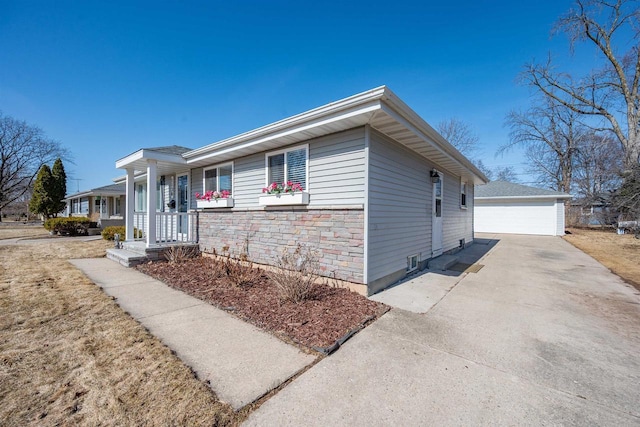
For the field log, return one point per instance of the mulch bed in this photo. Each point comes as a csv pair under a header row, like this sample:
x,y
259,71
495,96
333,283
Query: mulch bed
x,y
317,323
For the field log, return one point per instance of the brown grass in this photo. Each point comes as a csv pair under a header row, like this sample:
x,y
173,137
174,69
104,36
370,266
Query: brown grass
x,y
619,253
17,231
69,355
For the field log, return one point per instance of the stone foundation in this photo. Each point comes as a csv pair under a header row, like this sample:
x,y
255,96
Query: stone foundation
x,y
337,234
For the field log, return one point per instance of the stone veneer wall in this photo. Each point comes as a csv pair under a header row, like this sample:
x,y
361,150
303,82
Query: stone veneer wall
x,y
338,234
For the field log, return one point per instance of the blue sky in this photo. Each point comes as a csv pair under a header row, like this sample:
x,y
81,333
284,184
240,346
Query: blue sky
x,y
108,78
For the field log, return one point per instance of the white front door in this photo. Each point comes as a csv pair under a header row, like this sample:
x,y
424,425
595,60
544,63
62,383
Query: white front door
x,y
436,221
182,205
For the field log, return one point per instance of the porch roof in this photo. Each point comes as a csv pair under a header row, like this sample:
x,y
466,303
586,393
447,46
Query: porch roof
x,y
107,190
379,108
169,158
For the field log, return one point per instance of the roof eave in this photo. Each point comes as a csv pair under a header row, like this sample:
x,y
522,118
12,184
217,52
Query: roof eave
x,y
290,123
432,135
545,196
146,154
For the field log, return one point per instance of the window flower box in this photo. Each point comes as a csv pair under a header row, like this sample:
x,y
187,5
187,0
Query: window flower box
x,y
285,199
214,199
215,203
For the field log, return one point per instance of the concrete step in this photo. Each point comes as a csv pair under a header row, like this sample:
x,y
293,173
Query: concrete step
x,y
126,257
135,247
443,262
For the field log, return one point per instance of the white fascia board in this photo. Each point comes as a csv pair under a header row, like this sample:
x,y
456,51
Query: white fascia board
x,y
546,196
94,193
242,142
122,163
424,130
149,155
78,195
291,124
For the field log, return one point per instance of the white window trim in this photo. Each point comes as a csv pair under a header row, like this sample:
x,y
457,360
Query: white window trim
x,y
417,257
463,184
137,195
233,179
285,150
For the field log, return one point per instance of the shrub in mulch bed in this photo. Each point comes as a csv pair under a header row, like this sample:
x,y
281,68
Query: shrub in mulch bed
x,y
329,315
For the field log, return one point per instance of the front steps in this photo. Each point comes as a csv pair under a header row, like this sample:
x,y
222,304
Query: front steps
x,y
126,257
134,253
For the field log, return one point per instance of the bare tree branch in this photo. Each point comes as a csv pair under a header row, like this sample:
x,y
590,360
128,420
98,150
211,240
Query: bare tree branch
x,y
460,135
612,91
23,150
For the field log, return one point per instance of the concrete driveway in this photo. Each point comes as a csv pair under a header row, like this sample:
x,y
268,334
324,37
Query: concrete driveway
x,y
541,335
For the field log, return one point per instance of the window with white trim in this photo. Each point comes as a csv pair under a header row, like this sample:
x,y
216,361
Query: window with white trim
x,y
218,178
463,195
141,197
288,165
412,263
84,205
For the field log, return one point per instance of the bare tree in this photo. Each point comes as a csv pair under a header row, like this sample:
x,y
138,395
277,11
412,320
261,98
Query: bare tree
x,y
460,135
552,134
484,168
506,173
23,150
597,168
611,92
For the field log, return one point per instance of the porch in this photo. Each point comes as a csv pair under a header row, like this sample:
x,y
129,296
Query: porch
x,y
169,228
149,243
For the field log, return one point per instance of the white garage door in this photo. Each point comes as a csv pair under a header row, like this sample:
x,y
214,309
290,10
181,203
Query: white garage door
x,y
523,217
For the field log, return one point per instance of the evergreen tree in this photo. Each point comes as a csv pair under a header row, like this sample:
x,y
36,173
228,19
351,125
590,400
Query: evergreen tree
x,y
41,202
59,190
627,198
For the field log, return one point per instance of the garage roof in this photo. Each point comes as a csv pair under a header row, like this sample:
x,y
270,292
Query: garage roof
x,y
509,190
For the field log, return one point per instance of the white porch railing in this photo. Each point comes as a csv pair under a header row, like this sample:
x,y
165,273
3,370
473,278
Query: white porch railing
x,y
171,227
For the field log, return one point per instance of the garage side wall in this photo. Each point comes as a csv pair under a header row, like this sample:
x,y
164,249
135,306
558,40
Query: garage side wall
x,y
560,217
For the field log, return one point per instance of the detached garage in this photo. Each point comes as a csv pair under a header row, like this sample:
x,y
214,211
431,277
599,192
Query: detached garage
x,y
505,207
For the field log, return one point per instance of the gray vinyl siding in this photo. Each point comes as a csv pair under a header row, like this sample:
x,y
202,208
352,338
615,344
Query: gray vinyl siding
x,y
248,180
336,173
195,182
399,207
337,169
457,223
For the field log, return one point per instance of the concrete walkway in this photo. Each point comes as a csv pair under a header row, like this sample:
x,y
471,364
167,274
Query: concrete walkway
x,y
419,292
240,362
542,335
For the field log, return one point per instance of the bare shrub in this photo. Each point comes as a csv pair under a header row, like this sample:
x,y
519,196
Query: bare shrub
x,y
181,253
296,273
239,272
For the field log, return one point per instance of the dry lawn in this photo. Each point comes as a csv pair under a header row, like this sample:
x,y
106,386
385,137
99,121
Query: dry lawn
x,y
69,355
619,253
15,231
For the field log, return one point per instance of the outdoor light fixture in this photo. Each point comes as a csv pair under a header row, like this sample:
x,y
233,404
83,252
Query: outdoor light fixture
x,y
435,177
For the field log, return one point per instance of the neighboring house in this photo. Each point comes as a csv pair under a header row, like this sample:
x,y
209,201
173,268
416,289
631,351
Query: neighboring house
x,y
383,191
102,203
505,207
594,211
